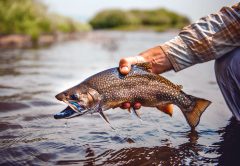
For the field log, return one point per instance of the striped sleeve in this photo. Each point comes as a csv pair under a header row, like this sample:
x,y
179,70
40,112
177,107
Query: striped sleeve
x,y
209,38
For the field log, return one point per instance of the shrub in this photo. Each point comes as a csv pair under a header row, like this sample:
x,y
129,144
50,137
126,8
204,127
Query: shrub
x,y
158,19
30,17
23,17
152,17
112,18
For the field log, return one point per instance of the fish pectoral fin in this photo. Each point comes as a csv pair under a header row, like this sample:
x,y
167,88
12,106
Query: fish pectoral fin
x,y
194,112
134,112
166,108
103,116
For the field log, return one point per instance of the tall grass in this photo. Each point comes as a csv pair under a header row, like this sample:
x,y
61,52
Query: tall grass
x,y
31,17
158,19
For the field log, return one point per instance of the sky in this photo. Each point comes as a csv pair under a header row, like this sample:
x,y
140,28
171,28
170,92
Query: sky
x,y
83,10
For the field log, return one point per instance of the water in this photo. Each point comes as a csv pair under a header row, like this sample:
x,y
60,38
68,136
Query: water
x,y
29,80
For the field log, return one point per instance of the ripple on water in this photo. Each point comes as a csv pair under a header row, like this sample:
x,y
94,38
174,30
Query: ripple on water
x,y
6,125
10,106
42,103
30,136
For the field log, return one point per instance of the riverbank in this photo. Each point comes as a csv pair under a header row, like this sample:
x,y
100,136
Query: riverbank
x,y
25,41
28,23
13,41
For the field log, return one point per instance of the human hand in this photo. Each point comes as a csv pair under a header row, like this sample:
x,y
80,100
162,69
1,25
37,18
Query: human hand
x,y
158,59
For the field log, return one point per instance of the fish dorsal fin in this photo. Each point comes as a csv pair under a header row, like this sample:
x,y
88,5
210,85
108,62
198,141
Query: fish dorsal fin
x,y
179,87
146,66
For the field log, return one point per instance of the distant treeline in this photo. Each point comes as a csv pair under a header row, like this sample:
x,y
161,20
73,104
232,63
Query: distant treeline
x,y
158,19
30,17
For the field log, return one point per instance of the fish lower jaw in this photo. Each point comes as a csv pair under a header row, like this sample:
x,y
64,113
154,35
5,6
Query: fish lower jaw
x,y
74,108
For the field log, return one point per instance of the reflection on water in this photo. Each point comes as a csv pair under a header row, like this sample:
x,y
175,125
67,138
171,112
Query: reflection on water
x,y
229,147
29,80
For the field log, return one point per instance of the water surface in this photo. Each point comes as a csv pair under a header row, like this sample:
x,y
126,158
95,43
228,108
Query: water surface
x,y
29,80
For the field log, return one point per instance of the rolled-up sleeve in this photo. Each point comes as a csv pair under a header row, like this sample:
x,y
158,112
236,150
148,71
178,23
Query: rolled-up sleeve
x,y
209,38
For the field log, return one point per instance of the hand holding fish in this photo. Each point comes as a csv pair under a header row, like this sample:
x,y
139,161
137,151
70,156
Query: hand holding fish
x,y
158,59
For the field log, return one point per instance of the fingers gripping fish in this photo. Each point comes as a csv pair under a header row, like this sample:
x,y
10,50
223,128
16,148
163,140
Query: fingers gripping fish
x,y
110,89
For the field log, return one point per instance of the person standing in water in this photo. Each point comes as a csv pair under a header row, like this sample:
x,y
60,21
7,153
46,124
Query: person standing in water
x,y
214,37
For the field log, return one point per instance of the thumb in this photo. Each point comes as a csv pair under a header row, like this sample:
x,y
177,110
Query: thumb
x,y
125,63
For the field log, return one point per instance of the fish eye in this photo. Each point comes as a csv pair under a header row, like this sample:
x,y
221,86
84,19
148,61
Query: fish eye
x,y
75,96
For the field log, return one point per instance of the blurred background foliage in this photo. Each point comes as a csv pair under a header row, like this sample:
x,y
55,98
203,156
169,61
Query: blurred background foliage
x,y
30,17
157,19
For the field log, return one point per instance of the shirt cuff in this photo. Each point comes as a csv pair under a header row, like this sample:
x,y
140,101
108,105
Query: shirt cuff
x,y
178,53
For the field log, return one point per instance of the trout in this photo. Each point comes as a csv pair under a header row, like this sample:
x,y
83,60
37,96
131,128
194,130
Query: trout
x,y
110,89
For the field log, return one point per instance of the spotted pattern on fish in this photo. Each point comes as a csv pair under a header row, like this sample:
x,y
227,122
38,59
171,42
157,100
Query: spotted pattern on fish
x,y
109,89
138,86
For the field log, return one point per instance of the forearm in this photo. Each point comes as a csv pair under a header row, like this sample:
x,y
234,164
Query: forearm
x,y
209,38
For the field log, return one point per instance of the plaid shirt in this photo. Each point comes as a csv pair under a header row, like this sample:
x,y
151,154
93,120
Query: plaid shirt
x,y
209,38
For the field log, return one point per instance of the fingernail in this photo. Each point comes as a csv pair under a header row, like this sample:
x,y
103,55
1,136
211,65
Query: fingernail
x,y
137,105
125,68
126,105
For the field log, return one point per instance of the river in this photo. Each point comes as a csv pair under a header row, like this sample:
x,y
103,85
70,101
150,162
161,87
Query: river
x,y
29,135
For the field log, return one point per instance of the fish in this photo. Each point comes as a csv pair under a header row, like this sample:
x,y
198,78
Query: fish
x,y
110,89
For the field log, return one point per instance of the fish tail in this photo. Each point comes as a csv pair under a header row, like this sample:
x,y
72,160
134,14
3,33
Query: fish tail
x,y
194,112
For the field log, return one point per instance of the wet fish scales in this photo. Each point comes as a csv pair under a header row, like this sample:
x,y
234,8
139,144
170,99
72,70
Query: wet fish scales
x,y
138,86
109,89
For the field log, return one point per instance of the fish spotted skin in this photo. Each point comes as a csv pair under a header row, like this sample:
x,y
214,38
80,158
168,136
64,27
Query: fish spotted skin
x,y
138,86
109,89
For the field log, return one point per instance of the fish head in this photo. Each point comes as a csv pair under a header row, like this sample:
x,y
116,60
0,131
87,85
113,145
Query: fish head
x,y
80,99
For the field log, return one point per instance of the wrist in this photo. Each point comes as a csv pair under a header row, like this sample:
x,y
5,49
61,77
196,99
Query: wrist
x,y
159,60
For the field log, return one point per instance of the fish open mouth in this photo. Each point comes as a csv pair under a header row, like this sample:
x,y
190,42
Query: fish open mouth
x,y
73,109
